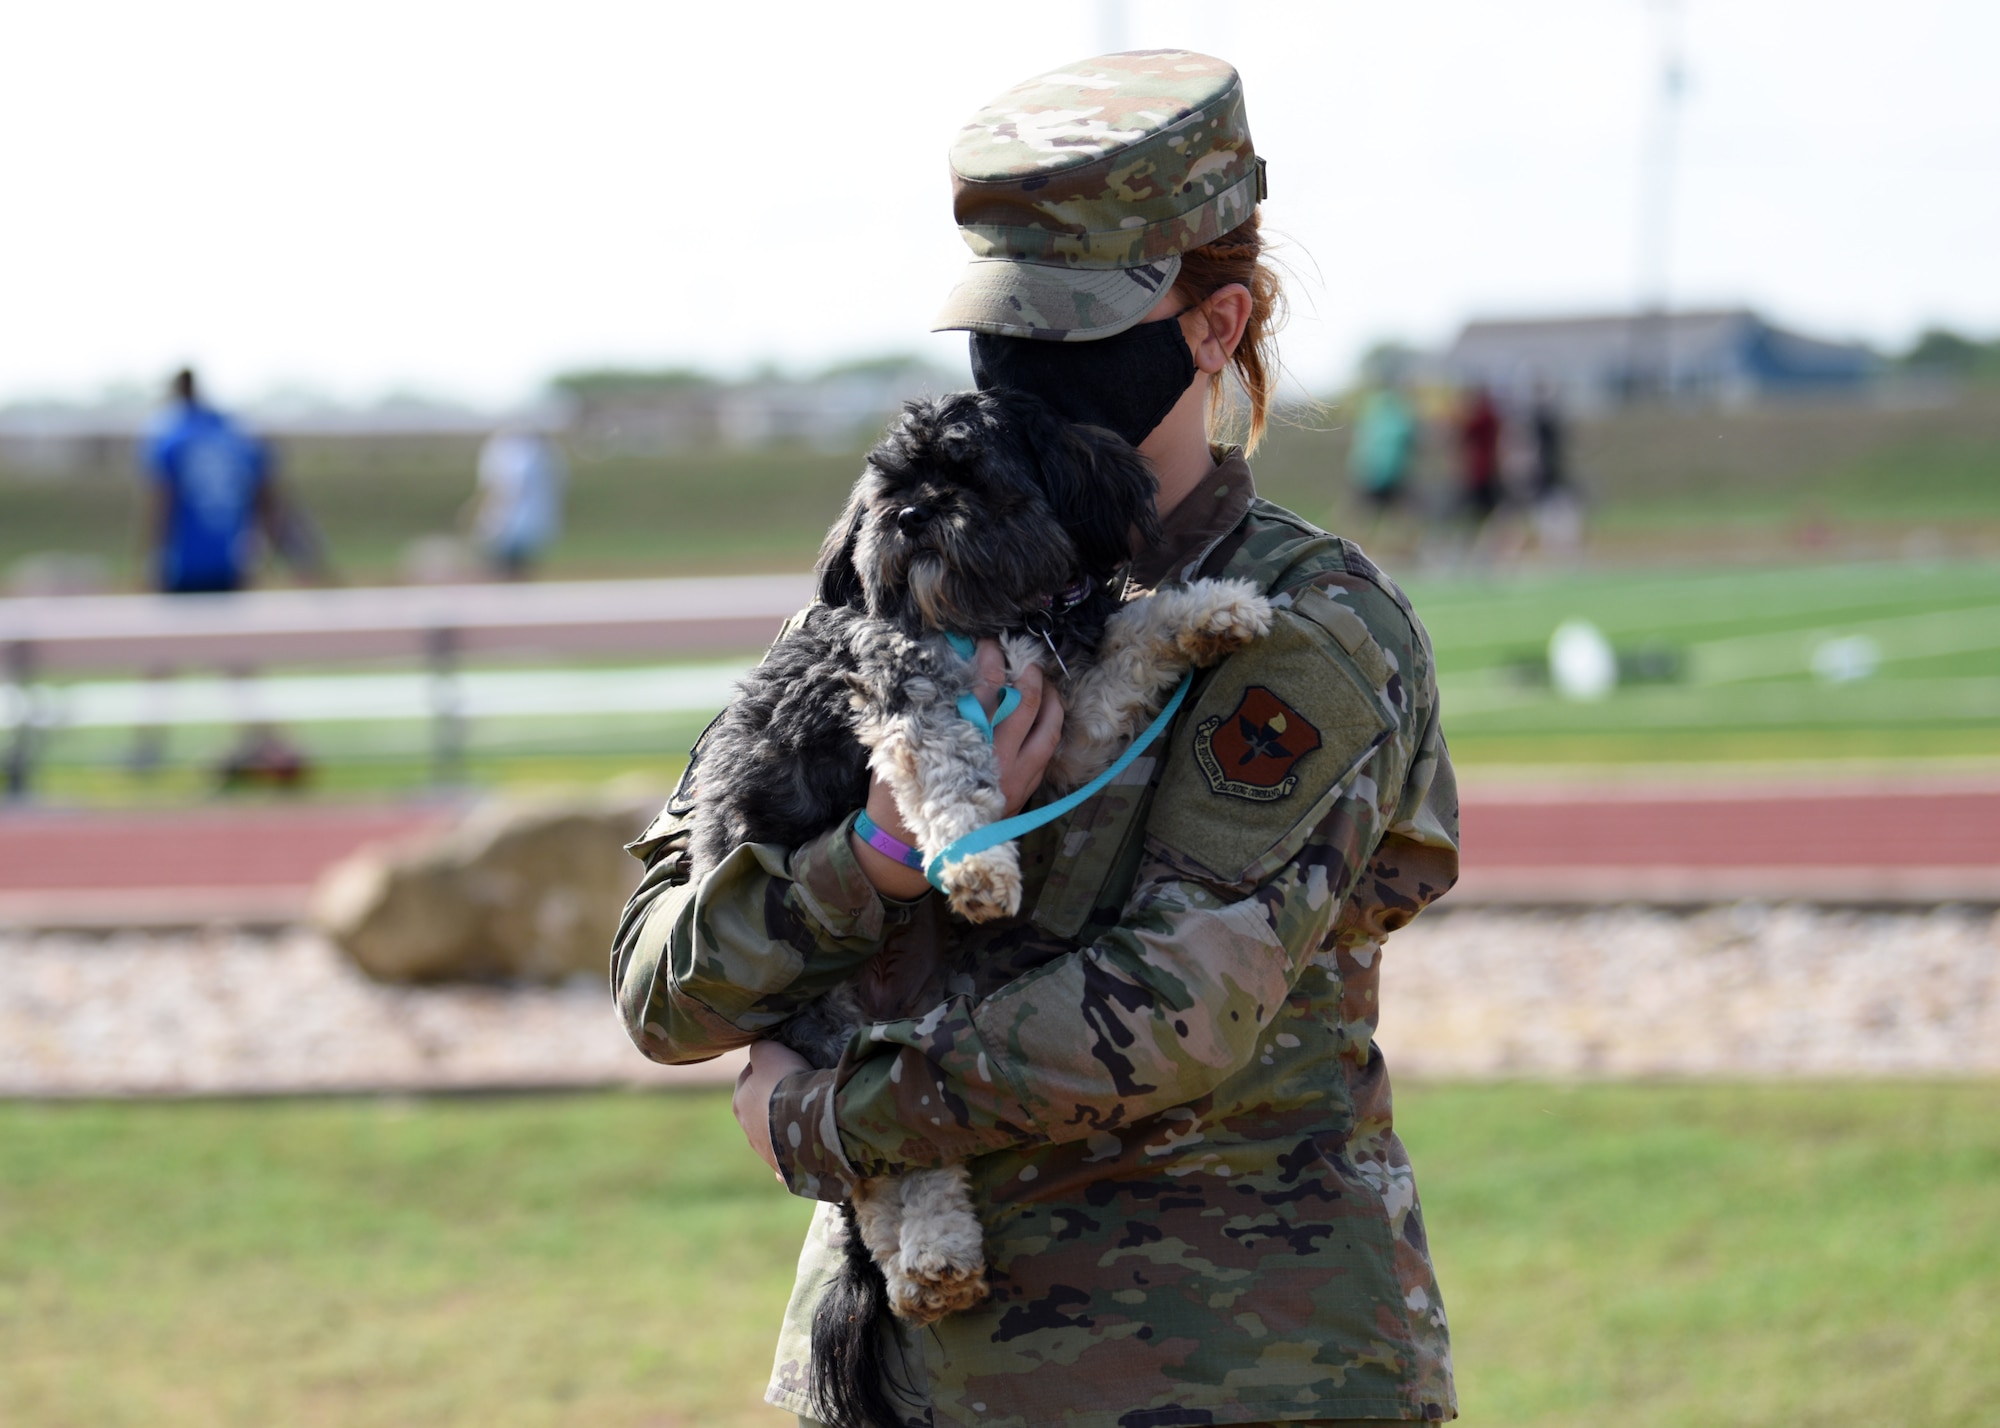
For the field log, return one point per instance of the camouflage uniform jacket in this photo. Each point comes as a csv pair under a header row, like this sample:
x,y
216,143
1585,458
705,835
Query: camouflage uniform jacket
x,y
1162,1073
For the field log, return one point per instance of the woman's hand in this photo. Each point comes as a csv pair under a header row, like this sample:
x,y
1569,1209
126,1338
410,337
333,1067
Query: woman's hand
x,y
770,1062
1025,741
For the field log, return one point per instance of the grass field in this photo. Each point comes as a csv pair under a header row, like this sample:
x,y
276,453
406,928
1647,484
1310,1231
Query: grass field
x,y
1741,647
1653,1255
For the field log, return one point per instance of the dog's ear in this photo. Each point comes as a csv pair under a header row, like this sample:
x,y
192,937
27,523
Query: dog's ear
x,y
839,576
1106,493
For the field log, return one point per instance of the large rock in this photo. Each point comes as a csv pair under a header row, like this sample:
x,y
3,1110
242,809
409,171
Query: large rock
x,y
522,891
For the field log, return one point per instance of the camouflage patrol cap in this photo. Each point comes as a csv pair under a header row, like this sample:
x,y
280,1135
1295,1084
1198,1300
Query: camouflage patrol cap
x,y
1078,191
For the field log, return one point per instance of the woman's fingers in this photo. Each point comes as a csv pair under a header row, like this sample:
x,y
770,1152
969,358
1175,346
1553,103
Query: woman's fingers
x,y
989,674
1009,732
770,1062
990,678
1026,739
1046,731
1022,775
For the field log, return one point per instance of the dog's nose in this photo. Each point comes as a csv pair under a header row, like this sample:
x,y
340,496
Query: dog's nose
x,y
911,519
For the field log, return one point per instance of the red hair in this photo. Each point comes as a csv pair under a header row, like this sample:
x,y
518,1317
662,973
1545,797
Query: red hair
x,y
1237,257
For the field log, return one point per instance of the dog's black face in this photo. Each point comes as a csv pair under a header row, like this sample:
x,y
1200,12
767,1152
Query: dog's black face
x,y
981,508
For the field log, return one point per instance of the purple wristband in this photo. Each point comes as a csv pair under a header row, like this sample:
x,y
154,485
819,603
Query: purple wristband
x,y
881,842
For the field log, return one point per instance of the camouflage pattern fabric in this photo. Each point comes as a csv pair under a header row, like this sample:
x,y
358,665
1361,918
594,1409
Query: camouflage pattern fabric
x,y
1107,163
1053,304
1078,191
1162,1074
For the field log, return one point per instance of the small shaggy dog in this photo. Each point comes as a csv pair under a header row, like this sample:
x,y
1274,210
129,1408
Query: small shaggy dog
x,y
980,514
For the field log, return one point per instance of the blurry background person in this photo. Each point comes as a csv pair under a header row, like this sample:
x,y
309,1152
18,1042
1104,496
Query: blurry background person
x,y
1557,506
211,490
1545,426
1479,456
1383,450
517,511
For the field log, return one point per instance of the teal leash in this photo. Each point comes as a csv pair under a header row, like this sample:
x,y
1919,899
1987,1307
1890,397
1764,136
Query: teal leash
x,y
969,706
993,834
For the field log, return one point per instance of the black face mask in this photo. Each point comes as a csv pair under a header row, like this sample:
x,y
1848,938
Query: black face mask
x,y
1127,383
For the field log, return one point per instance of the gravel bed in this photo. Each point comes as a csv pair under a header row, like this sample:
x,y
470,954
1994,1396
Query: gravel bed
x,y
240,1013
1743,990
1623,991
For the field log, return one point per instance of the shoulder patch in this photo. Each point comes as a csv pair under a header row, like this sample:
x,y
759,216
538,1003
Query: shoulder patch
x,y
1276,731
1249,752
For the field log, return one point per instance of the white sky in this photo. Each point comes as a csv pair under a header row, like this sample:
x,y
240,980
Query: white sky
x,y
464,197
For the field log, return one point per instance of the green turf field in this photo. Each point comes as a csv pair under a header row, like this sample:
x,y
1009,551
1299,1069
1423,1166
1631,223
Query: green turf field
x,y
1734,654
1653,1255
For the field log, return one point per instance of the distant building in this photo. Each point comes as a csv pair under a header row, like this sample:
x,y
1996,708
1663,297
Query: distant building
x,y
1730,356
53,439
647,413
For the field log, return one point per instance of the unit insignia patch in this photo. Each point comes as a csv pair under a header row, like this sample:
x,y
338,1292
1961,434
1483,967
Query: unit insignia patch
x,y
1249,752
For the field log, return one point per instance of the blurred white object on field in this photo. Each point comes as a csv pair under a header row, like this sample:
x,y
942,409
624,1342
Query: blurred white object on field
x,y
1844,660
1582,665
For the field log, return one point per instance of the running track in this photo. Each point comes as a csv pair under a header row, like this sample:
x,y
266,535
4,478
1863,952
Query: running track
x,y
1886,843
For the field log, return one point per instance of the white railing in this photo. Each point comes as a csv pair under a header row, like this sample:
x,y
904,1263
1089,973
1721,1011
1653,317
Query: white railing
x,y
439,625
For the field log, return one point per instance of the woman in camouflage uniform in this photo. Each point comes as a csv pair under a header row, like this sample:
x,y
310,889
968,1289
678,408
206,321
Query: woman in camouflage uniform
x,y
1162,1073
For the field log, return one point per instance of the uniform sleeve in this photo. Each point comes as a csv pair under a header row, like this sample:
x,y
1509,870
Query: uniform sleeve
x,y
1294,770
702,967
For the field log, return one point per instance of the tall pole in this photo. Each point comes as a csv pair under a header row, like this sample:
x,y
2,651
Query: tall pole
x,y
447,709
1652,335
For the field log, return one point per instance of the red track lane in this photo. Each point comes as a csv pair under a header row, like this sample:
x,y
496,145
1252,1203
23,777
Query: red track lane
x,y
285,849
46,851
1916,830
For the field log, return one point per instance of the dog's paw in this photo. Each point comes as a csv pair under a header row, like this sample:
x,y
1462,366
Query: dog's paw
x,y
985,886
935,1285
1234,616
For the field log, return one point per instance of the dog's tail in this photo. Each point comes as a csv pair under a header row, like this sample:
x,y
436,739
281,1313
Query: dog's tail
x,y
851,1374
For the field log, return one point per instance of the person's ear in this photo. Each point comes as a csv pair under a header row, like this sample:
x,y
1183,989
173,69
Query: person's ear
x,y
1224,316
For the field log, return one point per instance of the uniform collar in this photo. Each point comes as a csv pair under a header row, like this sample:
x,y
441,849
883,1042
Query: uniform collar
x,y
1205,515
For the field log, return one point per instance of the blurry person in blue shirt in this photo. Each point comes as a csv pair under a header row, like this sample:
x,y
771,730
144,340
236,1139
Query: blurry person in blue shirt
x,y
212,490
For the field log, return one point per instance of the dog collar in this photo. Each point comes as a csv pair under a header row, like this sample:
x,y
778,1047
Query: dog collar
x,y
1073,595
1038,622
